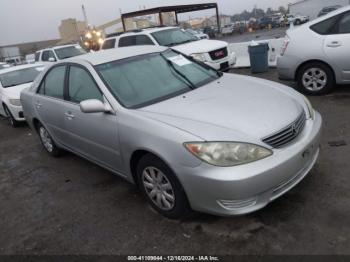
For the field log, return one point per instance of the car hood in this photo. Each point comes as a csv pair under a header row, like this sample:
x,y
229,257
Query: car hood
x,y
233,108
14,92
200,46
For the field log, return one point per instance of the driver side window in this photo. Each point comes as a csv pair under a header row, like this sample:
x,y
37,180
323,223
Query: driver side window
x,y
82,86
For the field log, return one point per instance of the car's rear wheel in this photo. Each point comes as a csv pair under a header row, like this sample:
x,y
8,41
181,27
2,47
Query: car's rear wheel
x,y
10,118
315,79
297,22
47,141
161,187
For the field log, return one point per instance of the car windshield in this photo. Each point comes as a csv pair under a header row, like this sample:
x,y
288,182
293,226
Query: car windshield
x,y
191,31
69,51
19,77
173,37
147,79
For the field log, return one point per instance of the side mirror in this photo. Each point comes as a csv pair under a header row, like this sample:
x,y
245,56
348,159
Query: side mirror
x,y
51,59
93,106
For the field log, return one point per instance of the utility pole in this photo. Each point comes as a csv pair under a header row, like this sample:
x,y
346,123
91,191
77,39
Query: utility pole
x,y
85,16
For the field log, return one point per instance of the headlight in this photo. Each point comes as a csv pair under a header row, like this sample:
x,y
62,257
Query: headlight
x,y
310,108
15,102
200,57
227,154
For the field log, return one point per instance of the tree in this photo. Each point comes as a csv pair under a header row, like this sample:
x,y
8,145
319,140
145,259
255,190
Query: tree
x,y
282,10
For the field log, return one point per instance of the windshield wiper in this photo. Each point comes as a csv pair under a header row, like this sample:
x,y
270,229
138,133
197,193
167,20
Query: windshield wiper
x,y
191,84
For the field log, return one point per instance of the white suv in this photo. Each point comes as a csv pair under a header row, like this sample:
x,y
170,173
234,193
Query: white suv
x,y
57,53
216,54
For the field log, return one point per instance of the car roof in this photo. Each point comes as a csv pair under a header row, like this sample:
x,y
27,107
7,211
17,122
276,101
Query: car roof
x,y
56,47
105,56
15,68
143,31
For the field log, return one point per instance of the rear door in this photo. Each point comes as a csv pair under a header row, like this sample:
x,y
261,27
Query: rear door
x,y
93,135
337,46
49,103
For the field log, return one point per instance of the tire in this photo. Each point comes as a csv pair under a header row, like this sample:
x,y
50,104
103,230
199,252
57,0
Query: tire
x,y
12,121
315,79
155,178
297,22
46,140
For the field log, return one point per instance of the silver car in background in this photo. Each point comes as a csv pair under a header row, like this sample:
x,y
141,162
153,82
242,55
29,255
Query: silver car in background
x,y
190,137
317,54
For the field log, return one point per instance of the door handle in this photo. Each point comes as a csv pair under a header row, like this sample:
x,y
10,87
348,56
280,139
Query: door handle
x,y
69,115
334,44
38,105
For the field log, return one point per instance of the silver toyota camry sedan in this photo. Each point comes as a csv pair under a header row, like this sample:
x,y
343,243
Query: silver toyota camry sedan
x,y
190,137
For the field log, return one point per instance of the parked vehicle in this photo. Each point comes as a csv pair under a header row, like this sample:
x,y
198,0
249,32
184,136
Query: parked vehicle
x,y
58,53
189,136
316,54
296,20
12,81
199,35
4,65
214,53
328,9
30,58
267,22
228,30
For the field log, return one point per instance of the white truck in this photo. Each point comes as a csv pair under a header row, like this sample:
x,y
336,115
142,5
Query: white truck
x,y
214,53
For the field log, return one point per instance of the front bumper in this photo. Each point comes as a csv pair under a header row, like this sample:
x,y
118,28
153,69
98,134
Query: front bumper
x,y
223,64
247,188
17,112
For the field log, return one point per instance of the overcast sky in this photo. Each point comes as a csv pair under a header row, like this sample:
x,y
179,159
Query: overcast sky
x,y
35,20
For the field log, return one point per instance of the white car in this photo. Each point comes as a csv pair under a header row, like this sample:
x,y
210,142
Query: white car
x,y
317,54
197,34
4,65
216,54
58,53
296,20
12,81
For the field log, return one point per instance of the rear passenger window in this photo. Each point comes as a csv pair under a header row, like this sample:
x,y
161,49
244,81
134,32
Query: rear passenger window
x,y
143,40
127,41
82,86
339,24
108,44
325,27
135,40
53,84
344,24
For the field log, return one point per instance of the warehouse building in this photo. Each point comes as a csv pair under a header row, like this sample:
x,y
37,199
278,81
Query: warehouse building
x,y
311,8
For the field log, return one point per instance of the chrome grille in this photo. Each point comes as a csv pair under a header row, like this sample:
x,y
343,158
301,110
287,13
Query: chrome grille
x,y
287,134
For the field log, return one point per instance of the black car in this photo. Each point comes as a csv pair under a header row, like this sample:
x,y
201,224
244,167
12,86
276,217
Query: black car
x,y
265,22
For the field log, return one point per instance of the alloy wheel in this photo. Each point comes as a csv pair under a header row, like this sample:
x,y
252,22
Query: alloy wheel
x,y
158,188
46,139
314,79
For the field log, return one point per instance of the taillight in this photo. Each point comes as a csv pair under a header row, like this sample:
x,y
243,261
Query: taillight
x,y
285,45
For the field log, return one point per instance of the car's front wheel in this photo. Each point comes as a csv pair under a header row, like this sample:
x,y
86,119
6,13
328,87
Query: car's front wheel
x,y
48,142
161,187
10,118
315,79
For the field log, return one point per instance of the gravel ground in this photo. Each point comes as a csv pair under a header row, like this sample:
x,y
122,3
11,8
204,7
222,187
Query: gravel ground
x,y
71,206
